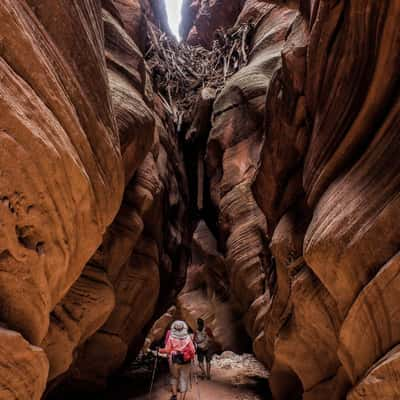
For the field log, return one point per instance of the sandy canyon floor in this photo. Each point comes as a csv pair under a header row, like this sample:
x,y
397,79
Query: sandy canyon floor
x,y
234,377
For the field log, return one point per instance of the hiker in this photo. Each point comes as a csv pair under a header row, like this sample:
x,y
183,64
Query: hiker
x,y
203,338
181,352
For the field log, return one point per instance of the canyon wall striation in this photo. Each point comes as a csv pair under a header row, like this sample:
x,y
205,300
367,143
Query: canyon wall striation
x,y
304,180
93,237
295,248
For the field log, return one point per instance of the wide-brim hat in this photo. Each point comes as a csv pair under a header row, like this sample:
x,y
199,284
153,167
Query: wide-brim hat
x,y
179,330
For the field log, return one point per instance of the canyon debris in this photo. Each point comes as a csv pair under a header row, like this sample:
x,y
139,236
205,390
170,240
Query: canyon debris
x,y
180,70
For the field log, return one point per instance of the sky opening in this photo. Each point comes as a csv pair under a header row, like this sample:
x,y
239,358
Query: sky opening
x,y
174,15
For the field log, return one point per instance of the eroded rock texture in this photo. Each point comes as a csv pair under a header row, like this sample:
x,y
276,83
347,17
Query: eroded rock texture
x,y
61,171
24,368
207,295
233,153
82,274
349,181
57,122
142,255
302,166
298,241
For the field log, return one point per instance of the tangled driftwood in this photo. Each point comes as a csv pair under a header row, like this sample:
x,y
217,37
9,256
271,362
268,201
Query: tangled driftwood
x,y
180,71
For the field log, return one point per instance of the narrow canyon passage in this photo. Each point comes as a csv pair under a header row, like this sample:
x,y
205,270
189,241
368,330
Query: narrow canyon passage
x,y
234,377
247,175
239,377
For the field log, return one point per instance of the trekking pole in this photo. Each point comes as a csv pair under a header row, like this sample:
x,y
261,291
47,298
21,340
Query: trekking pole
x,y
197,383
191,374
153,375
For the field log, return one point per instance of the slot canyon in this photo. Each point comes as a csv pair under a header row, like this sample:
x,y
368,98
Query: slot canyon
x,y
261,194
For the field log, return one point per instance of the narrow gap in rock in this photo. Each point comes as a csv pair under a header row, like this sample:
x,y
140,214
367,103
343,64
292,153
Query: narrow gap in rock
x,y
174,14
237,171
188,79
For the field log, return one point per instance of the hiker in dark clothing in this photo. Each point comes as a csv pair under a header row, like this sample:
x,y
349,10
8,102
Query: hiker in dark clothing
x,y
203,339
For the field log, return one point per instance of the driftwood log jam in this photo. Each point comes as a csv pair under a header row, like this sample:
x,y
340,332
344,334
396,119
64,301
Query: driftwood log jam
x,y
180,71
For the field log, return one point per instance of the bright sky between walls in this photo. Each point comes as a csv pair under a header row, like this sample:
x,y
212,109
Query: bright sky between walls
x,y
174,8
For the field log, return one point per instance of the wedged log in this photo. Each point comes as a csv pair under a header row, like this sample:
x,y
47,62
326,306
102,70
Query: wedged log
x,y
330,143
197,135
303,177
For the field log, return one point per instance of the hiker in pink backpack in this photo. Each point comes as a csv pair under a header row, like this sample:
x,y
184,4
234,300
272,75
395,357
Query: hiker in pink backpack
x,y
181,352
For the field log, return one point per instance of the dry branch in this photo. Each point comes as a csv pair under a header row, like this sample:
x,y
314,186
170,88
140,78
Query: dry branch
x,y
180,71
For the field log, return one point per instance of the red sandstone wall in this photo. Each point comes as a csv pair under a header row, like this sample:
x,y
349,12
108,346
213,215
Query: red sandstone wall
x,y
303,173
303,167
89,161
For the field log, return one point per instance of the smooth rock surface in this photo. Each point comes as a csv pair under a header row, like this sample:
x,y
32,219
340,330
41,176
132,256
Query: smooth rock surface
x,y
311,126
233,154
295,239
80,123
23,368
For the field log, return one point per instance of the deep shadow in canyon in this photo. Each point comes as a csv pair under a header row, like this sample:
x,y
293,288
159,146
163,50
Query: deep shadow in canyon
x,y
276,220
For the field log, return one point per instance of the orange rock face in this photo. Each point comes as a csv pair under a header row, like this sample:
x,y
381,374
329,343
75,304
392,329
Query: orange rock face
x,y
298,243
24,374
201,18
143,253
345,178
232,160
57,122
62,177
302,167
206,294
80,123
